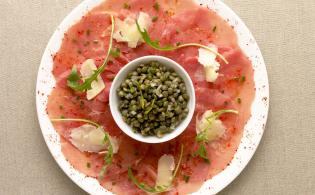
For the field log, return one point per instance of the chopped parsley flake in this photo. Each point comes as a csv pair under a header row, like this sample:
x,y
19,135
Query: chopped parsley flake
x,y
126,6
154,18
74,40
156,6
115,52
239,100
186,178
88,32
242,79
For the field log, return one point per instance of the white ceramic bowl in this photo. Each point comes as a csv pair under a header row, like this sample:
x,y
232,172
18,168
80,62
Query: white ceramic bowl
x,y
114,99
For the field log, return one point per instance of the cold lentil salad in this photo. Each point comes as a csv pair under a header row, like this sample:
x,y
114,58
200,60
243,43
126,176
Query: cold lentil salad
x,y
153,99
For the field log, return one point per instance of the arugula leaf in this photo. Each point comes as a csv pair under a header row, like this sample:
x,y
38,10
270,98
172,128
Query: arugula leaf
x,y
156,189
179,161
74,79
75,120
203,135
144,186
217,114
108,158
202,153
156,45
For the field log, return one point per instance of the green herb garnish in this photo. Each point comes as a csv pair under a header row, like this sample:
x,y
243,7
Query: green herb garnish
x,y
143,186
186,178
202,137
115,52
239,100
108,158
74,78
156,189
76,120
88,32
242,79
156,6
202,153
126,6
156,44
154,18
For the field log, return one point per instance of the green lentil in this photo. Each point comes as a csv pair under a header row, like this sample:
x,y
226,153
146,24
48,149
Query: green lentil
x,y
153,99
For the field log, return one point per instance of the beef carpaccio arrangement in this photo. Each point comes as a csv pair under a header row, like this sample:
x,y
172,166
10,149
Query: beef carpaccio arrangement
x,y
153,99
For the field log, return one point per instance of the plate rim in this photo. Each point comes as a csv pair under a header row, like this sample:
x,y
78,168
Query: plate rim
x,y
90,185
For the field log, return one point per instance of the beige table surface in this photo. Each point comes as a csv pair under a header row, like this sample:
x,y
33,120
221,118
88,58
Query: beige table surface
x,y
285,160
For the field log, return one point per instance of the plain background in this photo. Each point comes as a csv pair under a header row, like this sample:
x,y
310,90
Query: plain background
x,y
285,160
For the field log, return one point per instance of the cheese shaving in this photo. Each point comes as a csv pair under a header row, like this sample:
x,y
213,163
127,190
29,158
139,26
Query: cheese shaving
x,y
213,127
208,60
126,30
166,166
88,138
87,69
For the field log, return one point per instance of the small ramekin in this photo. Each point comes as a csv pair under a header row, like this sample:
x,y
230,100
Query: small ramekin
x,y
114,99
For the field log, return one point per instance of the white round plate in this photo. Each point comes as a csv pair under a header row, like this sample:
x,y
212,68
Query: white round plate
x,y
253,130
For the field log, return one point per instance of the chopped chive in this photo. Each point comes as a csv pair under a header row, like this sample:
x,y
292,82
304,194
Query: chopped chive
x,y
126,6
154,18
156,6
74,40
239,100
186,178
115,52
243,79
88,32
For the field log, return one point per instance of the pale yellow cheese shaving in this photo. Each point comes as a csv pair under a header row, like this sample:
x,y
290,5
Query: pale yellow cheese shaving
x,y
87,69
